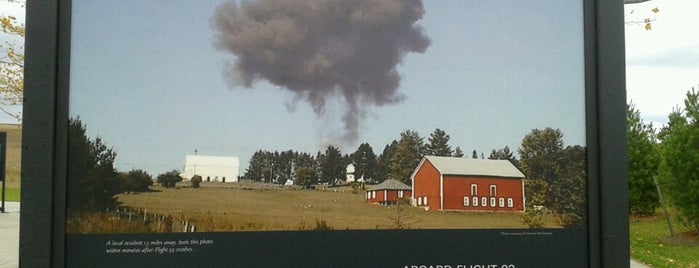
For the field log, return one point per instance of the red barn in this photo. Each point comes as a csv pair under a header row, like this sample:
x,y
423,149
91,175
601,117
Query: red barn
x,y
450,183
387,192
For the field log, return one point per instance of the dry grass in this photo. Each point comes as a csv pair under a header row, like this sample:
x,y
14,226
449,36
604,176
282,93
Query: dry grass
x,y
14,154
243,208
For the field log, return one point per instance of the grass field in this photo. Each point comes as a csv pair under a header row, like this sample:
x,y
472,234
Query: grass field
x,y
651,243
268,209
12,194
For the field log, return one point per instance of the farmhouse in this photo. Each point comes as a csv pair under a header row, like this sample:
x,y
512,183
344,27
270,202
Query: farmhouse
x,y
387,192
211,168
450,183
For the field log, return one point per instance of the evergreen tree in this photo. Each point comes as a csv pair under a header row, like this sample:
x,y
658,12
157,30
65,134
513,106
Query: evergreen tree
x,y
409,152
680,158
504,154
439,144
384,161
92,180
331,165
365,161
457,152
644,160
474,155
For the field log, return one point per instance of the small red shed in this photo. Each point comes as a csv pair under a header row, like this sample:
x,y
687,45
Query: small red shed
x,y
387,192
450,183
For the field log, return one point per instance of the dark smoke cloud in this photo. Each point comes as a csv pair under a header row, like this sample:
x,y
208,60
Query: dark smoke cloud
x,y
319,48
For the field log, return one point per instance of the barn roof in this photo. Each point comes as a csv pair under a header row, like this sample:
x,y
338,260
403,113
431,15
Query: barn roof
x,y
474,167
390,185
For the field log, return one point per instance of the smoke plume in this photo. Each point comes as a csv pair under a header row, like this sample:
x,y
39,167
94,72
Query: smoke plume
x,y
317,49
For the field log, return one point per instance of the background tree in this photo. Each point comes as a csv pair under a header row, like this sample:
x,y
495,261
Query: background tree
x,y
540,157
680,158
195,181
644,160
409,150
439,144
11,63
558,172
365,162
383,162
457,152
331,165
136,180
306,176
504,154
169,179
569,192
474,155
92,180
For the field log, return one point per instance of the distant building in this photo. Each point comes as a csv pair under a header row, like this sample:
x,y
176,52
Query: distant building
x,y
350,173
450,183
211,168
387,192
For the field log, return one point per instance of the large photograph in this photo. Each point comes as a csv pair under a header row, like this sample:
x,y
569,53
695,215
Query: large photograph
x,y
261,116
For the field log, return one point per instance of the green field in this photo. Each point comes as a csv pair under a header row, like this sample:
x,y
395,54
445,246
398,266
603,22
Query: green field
x,y
245,208
651,243
12,194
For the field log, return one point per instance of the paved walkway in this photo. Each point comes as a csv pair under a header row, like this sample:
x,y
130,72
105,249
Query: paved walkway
x,y
9,236
635,264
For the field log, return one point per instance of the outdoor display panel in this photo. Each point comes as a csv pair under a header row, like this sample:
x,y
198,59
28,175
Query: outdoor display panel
x,y
118,90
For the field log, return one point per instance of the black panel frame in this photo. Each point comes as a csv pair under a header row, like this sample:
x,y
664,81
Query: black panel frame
x,y
42,236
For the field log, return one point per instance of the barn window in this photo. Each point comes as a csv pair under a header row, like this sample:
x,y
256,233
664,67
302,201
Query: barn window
x,y
492,201
474,189
466,201
419,201
475,201
425,201
510,202
484,201
493,190
400,194
373,194
501,202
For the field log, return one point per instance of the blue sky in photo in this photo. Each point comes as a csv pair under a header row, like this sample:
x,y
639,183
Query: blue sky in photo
x,y
147,79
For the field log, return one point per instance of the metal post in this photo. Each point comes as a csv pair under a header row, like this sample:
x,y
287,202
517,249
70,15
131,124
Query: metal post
x,y
662,203
3,154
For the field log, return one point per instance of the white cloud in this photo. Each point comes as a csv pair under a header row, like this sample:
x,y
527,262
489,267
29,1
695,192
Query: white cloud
x,y
661,64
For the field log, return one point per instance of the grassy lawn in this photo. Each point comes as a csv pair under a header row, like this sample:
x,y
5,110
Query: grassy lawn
x,y
651,243
242,209
12,194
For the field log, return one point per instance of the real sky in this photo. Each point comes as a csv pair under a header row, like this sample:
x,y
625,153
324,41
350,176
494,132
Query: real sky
x,y
146,77
662,64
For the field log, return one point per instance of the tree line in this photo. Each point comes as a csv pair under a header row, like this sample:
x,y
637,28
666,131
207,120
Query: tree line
x,y
555,174
668,156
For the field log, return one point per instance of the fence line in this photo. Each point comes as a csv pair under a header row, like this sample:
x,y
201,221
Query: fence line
x,y
160,223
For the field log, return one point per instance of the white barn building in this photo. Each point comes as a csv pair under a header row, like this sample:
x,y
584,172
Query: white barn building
x,y
211,168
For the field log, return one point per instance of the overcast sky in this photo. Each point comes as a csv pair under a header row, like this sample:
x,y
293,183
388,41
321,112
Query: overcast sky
x,y
661,64
145,77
